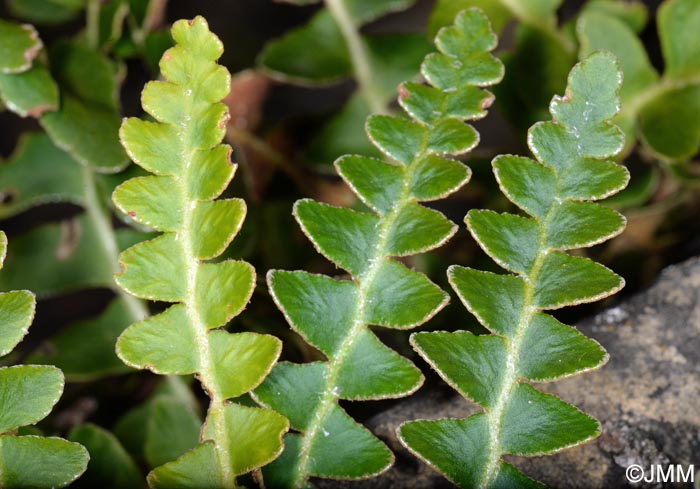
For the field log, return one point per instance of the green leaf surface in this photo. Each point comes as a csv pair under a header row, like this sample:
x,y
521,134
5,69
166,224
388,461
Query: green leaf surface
x,y
110,466
150,201
55,258
150,269
258,444
445,11
394,286
161,344
30,93
633,13
282,469
591,179
87,132
473,365
364,11
568,280
397,137
16,314
343,134
375,371
251,353
511,241
38,173
535,423
670,123
19,45
291,59
446,444
678,21
45,11
40,463
297,387
218,290
537,13
343,439
527,86
555,350
378,63
495,300
145,430
661,112
182,148
308,300
582,224
87,123
527,183
172,430
417,229
332,315
394,58
344,236
526,344
435,178
597,30
27,394
377,183
197,468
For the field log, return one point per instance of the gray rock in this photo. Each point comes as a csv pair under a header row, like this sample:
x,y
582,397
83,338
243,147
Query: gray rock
x,y
647,397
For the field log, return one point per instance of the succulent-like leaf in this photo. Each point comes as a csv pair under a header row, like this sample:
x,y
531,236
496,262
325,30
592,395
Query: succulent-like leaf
x,y
27,395
334,315
663,112
526,344
191,169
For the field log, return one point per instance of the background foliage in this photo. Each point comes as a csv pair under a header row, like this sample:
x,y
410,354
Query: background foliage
x,y
291,116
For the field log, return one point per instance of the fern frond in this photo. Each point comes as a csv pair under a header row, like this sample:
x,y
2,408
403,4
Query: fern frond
x,y
191,169
333,315
573,168
27,395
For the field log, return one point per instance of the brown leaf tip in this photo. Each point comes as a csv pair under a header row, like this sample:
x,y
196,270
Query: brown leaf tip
x,y
224,120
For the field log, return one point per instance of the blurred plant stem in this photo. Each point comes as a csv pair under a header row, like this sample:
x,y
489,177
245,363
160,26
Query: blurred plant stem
x,y
92,21
359,56
101,218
